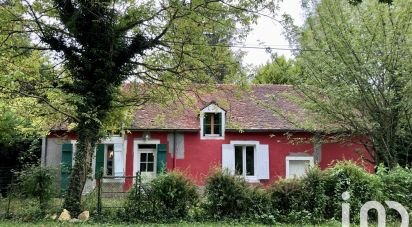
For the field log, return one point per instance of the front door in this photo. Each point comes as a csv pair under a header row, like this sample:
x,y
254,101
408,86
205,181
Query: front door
x,y
146,161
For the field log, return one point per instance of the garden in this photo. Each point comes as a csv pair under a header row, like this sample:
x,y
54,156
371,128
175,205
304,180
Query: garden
x,y
172,199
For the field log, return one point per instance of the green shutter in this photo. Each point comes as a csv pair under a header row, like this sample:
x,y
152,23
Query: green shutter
x,y
218,124
99,160
161,158
66,165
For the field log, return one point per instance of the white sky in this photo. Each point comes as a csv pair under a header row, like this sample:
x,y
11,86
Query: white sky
x,y
269,33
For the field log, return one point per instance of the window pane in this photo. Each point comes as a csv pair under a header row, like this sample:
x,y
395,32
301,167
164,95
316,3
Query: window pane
x,y
109,159
250,161
150,157
147,146
207,129
143,167
150,167
218,124
143,157
238,160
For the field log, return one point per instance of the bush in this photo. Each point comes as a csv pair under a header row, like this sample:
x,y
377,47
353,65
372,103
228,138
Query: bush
x,y
174,195
349,177
314,197
168,196
229,196
39,183
286,199
226,195
397,184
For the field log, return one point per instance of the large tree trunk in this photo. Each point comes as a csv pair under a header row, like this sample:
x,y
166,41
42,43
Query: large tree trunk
x,y
87,138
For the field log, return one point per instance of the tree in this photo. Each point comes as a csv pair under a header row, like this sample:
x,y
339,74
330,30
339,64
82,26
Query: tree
x,y
356,64
102,43
279,71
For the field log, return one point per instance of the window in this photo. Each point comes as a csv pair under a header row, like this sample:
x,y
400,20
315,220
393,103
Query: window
x,y
147,157
248,159
109,159
245,160
297,166
146,162
212,124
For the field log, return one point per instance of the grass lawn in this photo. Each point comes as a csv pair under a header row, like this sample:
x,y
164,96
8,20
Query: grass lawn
x,y
184,224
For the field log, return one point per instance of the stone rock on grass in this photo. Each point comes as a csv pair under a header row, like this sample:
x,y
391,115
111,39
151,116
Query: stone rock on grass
x,y
74,220
65,215
84,216
53,217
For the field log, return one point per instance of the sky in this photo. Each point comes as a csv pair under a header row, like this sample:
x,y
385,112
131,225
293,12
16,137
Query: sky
x,y
269,32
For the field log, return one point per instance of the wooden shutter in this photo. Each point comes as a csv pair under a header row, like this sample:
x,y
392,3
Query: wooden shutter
x,y
99,160
228,157
66,165
161,158
118,159
218,124
262,161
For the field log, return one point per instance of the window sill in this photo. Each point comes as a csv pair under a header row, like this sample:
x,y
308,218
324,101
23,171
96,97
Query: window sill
x,y
212,137
252,179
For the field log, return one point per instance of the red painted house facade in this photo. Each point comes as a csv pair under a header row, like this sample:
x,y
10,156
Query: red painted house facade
x,y
229,128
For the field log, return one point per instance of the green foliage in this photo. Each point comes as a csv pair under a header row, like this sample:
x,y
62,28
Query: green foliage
x,y
174,195
226,195
279,71
39,183
349,177
356,73
286,200
229,196
397,184
166,198
172,45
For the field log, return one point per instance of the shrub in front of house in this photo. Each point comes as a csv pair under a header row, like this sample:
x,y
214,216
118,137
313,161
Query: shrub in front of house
x,y
349,177
169,196
174,195
286,200
397,186
314,198
226,195
37,182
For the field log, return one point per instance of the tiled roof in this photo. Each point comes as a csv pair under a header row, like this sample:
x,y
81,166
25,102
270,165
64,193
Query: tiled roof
x,y
258,107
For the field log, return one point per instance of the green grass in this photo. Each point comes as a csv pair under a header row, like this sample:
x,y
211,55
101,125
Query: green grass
x,y
4,223
179,224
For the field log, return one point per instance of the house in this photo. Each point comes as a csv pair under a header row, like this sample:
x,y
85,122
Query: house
x,y
244,131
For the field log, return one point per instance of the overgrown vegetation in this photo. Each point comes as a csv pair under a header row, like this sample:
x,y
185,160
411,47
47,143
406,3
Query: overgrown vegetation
x,y
315,198
168,197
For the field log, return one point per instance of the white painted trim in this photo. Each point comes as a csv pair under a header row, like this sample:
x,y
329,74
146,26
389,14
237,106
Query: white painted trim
x,y
298,158
136,142
212,108
112,140
244,142
43,151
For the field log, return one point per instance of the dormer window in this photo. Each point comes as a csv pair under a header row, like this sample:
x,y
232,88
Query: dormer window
x,y
212,122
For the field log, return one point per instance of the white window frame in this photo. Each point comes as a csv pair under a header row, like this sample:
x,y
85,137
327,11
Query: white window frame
x,y
297,158
212,108
136,143
244,144
250,178
105,160
114,139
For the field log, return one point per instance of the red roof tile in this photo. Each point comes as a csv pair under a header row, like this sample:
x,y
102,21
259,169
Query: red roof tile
x,y
258,107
